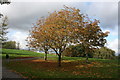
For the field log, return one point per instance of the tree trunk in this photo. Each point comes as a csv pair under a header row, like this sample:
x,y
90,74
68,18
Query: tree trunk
x,y
46,55
86,57
59,60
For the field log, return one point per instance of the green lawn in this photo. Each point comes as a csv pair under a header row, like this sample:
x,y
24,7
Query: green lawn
x,y
13,53
72,67
69,69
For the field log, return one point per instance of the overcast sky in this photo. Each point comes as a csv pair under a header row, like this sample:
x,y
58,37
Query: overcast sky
x,y
22,15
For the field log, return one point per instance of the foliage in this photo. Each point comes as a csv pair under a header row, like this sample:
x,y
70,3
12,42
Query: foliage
x,y
9,45
76,51
104,53
92,37
64,27
58,33
36,39
3,29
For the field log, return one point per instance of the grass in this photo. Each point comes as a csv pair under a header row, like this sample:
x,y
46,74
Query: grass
x,y
13,53
72,67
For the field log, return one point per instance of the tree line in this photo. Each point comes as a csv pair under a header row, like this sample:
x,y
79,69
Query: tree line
x,y
3,31
100,53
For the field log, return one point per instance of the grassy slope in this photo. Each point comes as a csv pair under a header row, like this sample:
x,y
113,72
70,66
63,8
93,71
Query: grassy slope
x,y
21,53
72,67
69,69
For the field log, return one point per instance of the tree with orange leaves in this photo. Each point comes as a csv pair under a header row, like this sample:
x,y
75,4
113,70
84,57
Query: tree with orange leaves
x,y
92,37
64,27
37,39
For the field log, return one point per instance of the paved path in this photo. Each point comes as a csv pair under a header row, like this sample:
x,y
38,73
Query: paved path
x,y
9,74
6,73
25,59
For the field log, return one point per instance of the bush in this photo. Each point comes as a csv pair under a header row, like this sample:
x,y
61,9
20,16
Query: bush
x,y
76,51
9,45
104,53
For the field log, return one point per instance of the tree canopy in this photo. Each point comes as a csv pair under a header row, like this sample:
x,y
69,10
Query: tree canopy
x,y
64,27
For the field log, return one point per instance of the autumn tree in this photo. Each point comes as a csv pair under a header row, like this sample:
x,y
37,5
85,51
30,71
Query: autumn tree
x,y
60,29
92,36
36,38
57,30
67,26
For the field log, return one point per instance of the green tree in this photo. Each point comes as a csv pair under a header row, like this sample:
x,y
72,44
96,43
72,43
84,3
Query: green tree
x,y
104,53
9,45
76,51
3,29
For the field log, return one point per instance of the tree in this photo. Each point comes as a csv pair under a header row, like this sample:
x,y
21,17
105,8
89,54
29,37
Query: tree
x,y
9,45
76,51
67,26
3,29
3,24
57,30
70,51
92,37
104,53
18,46
36,39
4,2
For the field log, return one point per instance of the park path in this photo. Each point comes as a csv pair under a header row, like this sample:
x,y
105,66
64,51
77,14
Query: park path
x,y
9,74
6,73
25,59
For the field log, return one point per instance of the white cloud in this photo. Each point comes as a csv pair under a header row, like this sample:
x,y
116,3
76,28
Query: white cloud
x,y
113,45
106,12
112,39
22,14
113,32
18,37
